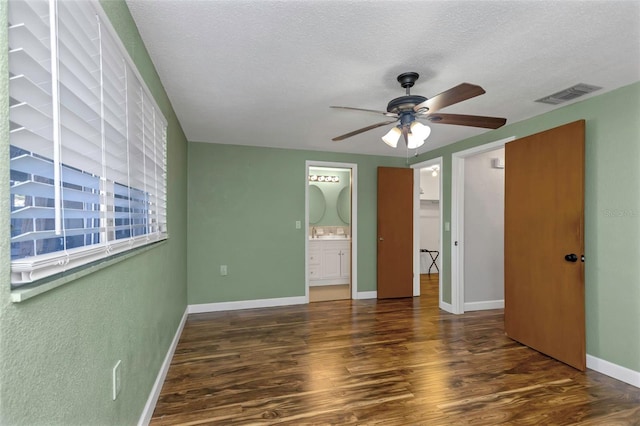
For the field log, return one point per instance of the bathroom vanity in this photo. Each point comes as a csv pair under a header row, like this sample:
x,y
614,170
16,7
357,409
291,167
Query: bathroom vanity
x,y
329,261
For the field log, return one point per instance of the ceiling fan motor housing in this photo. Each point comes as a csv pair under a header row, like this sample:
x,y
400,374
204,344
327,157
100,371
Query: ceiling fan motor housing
x,y
404,103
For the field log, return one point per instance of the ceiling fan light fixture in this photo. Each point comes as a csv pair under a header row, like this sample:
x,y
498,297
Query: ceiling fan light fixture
x,y
420,130
392,137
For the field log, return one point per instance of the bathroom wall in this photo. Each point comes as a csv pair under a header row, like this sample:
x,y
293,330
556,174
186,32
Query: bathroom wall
x,y
331,192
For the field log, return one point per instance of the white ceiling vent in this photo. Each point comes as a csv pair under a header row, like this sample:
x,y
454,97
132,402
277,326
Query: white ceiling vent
x,y
569,94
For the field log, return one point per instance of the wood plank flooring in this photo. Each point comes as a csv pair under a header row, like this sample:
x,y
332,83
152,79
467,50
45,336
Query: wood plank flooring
x,y
369,362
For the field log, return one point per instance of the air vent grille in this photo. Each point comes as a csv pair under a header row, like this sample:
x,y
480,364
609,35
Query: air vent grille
x,y
569,94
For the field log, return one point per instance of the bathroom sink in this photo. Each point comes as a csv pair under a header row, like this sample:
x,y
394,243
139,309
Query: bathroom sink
x,y
331,237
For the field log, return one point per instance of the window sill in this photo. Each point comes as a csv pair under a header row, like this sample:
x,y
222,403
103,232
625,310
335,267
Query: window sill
x,y
27,292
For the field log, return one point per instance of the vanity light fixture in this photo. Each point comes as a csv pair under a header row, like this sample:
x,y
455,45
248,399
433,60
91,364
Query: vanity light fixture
x,y
320,178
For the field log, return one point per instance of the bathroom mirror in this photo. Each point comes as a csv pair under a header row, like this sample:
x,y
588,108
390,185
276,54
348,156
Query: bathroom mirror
x,y
317,204
344,204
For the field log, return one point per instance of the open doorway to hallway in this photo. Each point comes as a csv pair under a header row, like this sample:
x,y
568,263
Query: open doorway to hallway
x,y
477,228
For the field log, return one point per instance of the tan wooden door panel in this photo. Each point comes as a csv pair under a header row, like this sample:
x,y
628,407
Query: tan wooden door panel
x,y
395,232
544,222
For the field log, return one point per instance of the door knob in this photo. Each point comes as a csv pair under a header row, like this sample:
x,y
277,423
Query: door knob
x,y
571,257
381,239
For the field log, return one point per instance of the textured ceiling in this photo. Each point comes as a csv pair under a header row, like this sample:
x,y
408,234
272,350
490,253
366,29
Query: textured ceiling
x,y
264,72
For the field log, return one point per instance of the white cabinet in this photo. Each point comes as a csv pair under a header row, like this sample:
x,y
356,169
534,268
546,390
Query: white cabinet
x,y
315,254
329,262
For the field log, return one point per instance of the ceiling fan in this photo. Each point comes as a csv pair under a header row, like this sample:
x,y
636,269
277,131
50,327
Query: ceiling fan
x,y
406,110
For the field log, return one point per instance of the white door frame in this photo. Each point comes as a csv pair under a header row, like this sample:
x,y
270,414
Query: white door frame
x,y
353,222
416,223
457,219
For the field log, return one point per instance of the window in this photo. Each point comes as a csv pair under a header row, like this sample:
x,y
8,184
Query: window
x,y
88,143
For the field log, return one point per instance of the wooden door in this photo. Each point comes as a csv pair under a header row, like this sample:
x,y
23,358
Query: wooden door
x,y
395,232
544,222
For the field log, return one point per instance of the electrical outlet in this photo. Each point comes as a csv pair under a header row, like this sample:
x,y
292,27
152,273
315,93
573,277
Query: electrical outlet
x,y
298,224
223,270
116,379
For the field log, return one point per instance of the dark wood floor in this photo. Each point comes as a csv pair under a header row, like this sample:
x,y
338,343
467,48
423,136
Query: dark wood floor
x,y
368,362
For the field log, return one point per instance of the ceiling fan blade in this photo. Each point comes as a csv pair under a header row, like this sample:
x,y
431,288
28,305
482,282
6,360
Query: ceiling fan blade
x,y
460,93
388,114
364,129
467,120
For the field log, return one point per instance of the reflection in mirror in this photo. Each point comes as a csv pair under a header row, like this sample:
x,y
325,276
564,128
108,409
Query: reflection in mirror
x,y
344,205
317,204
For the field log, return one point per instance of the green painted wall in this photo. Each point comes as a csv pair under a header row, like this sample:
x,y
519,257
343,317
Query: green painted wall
x,y
58,349
612,215
243,205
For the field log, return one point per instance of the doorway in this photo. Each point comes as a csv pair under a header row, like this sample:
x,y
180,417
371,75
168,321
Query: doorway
x,y
330,231
458,247
427,225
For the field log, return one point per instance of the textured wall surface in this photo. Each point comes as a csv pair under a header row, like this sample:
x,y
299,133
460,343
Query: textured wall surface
x,y
243,204
612,209
58,348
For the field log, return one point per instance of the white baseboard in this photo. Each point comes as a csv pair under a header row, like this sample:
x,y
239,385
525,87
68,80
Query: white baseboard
x,y
246,304
483,306
616,371
147,412
367,295
446,307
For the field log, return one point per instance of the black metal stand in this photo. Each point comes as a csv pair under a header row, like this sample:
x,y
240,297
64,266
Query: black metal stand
x,y
434,256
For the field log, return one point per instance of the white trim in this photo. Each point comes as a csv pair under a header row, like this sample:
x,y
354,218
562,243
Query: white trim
x,y
147,412
246,304
457,208
457,218
367,295
616,371
416,223
446,307
484,305
353,223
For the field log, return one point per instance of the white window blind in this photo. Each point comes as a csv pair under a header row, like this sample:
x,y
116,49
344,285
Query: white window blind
x,y
88,143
